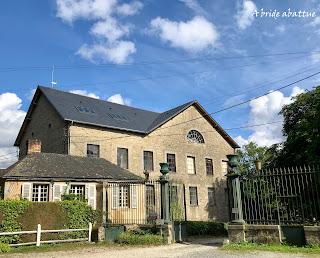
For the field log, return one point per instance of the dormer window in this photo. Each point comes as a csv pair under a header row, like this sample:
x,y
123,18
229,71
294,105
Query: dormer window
x,y
194,136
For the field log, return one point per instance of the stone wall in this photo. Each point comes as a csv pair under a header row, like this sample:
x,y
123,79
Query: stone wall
x,y
47,126
312,235
262,234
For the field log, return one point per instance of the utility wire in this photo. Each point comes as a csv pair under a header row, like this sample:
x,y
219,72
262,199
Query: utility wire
x,y
174,134
63,67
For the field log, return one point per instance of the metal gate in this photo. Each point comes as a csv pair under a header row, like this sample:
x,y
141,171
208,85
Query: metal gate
x,y
282,196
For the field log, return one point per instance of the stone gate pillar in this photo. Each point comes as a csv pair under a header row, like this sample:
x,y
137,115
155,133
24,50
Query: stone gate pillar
x,y
234,190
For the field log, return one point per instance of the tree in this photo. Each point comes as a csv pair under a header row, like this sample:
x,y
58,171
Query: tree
x,y
302,130
248,154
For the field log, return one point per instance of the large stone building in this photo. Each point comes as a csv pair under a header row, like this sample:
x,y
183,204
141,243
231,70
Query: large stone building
x,y
186,137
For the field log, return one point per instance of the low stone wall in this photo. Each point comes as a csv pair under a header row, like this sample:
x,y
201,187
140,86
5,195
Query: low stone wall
x,y
263,234
312,234
266,234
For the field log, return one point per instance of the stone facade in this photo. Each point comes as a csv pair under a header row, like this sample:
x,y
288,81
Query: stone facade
x,y
47,126
166,139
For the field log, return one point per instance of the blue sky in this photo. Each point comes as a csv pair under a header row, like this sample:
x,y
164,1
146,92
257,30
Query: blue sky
x,y
156,55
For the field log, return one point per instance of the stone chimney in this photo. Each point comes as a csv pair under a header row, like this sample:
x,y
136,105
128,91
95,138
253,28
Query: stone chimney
x,y
34,146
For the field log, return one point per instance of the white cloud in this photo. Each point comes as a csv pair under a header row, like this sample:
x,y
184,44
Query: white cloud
x,y
193,35
265,110
117,52
244,16
241,141
130,9
108,31
71,10
315,56
281,28
315,22
31,94
117,98
11,118
195,6
85,93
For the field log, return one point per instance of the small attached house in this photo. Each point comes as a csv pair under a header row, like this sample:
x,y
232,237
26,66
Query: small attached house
x,y
43,177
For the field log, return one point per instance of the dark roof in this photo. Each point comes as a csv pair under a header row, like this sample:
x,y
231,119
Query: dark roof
x,y
2,172
101,113
91,111
51,166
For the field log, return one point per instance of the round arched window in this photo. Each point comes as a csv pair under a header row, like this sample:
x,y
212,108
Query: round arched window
x,y
194,136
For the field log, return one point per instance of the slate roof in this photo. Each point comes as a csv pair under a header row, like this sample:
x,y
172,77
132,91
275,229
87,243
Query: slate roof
x,y
52,166
2,172
82,109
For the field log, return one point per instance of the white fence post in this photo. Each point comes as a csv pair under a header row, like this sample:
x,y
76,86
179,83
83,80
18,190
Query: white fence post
x,y
38,235
90,232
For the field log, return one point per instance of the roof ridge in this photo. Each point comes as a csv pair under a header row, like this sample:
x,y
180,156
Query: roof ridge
x,y
101,100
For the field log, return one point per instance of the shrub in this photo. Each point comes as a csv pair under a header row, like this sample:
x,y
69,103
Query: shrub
x,y
17,215
78,215
139,238
10,210
212,228
4,248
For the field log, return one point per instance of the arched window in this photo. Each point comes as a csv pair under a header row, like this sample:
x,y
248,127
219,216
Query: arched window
x,y
194,136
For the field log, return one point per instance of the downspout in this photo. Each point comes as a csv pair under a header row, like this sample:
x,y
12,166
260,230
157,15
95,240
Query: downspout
x,y
69,138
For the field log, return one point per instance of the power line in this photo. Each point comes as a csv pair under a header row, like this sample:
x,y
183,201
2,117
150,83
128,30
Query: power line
x,y
262,85
157,135
172,75
63,67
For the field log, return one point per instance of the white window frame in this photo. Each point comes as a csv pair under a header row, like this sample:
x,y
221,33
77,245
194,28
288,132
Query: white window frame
x,y
39,187
194,170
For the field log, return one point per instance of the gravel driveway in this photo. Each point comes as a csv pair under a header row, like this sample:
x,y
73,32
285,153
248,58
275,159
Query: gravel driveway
x,y
196,250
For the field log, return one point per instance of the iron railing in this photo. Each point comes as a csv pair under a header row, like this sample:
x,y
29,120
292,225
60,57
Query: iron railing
x,y
133,203
282,196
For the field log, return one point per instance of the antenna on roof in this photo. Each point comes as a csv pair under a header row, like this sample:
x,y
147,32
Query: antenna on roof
x,y
52,77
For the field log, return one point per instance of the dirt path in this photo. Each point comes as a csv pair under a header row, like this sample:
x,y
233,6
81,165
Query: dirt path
x,y
193,250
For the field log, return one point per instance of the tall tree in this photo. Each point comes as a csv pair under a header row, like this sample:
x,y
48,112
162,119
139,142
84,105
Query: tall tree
x,y
248,154
302,130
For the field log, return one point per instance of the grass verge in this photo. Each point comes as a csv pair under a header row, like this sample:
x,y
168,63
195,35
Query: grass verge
x,y
271,248
57,247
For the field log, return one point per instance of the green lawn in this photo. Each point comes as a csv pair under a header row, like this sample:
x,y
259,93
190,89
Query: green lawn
x,y
272,248
58,247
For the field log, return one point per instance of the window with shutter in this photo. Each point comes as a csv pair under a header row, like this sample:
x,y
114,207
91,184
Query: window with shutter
x,y
133,197
26,191
122,158
92,195
56,192
115,196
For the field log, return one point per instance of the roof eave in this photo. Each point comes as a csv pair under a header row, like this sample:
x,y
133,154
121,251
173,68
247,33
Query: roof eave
x,y
105,126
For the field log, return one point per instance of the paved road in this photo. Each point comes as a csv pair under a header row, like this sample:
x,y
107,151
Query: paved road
x,y
193,250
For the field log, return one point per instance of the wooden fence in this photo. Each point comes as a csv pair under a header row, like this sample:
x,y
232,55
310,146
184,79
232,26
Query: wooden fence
x,y
39,231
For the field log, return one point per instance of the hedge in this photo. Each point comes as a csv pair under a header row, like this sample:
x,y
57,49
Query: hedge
x,y
138,238
24,215
210,228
